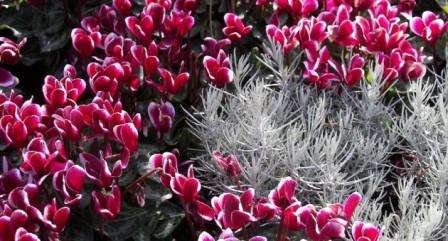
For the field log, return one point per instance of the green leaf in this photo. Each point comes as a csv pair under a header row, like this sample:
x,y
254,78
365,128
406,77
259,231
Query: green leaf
x,y
130,220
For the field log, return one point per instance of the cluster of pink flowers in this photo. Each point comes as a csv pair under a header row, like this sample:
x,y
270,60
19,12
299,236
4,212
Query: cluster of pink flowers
x,y
50,139
378,34
216,61
233,212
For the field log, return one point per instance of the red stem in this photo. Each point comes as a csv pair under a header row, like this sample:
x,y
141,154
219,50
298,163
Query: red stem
x,y
140,179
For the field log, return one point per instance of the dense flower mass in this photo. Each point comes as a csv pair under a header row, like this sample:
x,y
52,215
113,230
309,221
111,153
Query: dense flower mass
x,y
137,65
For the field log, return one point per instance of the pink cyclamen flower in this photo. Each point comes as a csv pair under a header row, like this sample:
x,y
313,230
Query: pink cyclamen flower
x,y
98,171
107,204
186,187
406,6
429,27
146,57
7,79
123,6
10,178
10,50
302,8
360,4
283,195
227,235
59,92
161,116
117,46
321,225
70,182
218,69
127,135
142,28
235,29
172,83
310,31
352,73
347,208
55,218
229,164
36,158
343,29
178,24
284,37
105,78
85,43
167,163
212,46
365,232
234,211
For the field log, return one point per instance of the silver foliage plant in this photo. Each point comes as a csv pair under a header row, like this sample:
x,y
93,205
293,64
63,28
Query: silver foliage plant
x,y
333,143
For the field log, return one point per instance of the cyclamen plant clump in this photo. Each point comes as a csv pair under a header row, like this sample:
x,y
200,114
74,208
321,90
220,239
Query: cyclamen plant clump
x,y
76,156
233,212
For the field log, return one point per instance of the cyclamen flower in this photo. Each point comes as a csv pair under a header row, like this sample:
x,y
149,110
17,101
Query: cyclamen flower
x,y
301,8
146,57
123,6
7,80
85,43
309,32
70,183
227,235
117,46
105,78
365,232
36,158
212,46
321,225
172,83
177,24
360,4
186,187
127,135
10,178
283,37
343,29
98,171
352,73
167,163
218,69
107,204
283,195
186,5
10,50
161,116
235,29
429,27
59,92
142,28
229,164
232,210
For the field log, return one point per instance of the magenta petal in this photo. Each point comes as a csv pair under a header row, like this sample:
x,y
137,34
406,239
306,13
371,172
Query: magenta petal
x,y
61,217
417,26
333,230
204,236
205,211
75,178
7,80
351,203
258,238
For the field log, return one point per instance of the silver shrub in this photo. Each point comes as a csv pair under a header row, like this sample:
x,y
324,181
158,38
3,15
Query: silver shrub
x,y
332,143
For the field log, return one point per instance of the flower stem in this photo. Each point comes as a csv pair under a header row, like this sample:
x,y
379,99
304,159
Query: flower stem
x,y
281,230
140,179
190,223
